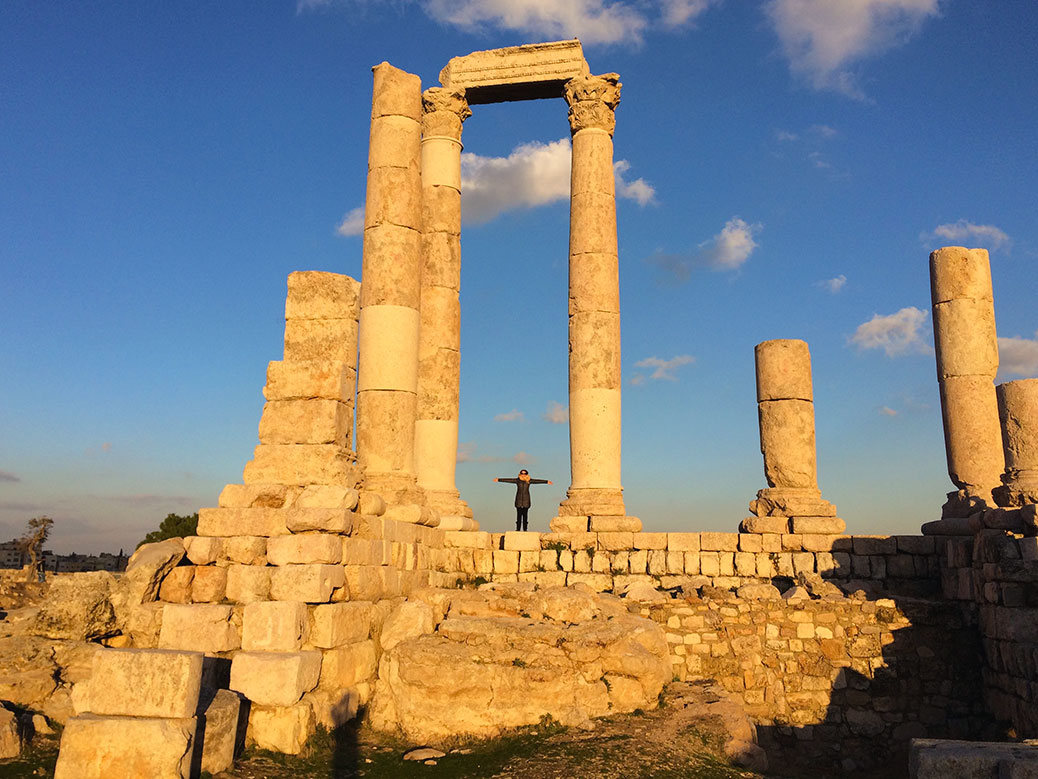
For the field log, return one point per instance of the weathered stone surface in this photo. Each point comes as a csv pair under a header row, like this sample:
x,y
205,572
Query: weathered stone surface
x,y
441,685
519,540
281,729
29,670
247,583
95,747
307,583
325,496
408,620
347,666
605,524
818,525
176,587
234,522
145,683
940,759
304,549
245,549
275,678
516,72
209,584
257,495
569,524
203,550
198,628
783,370
328,379
335,624
10,740
309,421
78,607
764,525
296,464
274,626
333,708
321,295
148,566
220,731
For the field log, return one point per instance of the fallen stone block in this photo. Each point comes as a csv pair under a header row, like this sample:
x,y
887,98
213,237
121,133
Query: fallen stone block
x,y
145,683
147,568
10,739
222,731
78,608
275,678
94,747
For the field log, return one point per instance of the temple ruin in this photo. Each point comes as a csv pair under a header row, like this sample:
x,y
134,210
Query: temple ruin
x,y
349,575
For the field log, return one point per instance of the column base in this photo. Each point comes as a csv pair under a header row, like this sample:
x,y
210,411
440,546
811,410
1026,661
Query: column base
x,y
1019,489
966,501
593,502
791,502
448,503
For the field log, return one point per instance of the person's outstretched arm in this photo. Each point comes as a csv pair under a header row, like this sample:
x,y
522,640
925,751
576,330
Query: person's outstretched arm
x,y
509,481
540,481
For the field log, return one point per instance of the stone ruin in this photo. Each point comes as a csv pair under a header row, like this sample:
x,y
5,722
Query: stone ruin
x,y
333,582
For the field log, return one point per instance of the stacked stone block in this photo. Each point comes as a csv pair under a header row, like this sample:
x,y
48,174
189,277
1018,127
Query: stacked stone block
x,y
1018,414
792,502
143,714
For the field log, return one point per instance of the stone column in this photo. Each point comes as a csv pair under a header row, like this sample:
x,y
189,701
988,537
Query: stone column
x,y
387,376
967,361
439,356
1018,412
594,305
792,502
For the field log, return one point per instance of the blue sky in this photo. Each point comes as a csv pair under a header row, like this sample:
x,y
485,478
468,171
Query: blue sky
x,y
785,168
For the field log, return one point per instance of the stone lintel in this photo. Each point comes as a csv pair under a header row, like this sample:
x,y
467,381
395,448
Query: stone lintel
x,y
529,72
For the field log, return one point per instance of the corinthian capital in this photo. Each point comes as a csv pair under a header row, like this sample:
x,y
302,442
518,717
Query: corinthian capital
x,y
592,100
443,111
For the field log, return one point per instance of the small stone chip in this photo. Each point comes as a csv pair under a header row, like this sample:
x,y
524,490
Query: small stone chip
x,y
424,754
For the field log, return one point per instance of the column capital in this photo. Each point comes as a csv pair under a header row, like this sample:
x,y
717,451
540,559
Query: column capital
x,y
592,101
444,109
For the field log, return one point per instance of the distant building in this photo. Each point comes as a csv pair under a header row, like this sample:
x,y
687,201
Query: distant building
x,y
73,563
11,555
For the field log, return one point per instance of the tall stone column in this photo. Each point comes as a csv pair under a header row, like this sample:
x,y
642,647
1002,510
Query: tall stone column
x,y
792,502
594,305
1018,413
439,356
387,375
967,361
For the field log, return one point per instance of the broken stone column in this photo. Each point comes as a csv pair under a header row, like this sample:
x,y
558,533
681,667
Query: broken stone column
x,y
1018,413
594,307
967,360
439,355
387,375
792,502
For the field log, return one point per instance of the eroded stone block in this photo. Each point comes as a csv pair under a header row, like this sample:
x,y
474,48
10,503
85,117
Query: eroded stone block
x,y
275,678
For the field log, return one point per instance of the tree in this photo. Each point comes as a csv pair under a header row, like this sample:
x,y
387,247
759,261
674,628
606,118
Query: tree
x,y
173,526
32,542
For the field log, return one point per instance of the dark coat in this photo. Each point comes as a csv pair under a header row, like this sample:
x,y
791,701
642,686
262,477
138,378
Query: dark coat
x,y
522,490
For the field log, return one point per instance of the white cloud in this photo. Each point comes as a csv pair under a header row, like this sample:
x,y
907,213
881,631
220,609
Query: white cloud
x,y
663,369
1018,356
522,458
638,190
834,284
887,411
678,12
786,136
352,223
962,231
557,413
822,38
895,334
515,415
823,131
593,21
727,250
467,453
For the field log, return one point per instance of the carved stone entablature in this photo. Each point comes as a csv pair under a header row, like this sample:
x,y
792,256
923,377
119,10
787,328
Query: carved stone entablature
x,y
592,101
443,111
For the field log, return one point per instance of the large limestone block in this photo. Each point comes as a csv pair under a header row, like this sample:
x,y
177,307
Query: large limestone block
x,y
972,434
321,295
307,583
284,729
783,370
390,251
522,541
517,72
199,627
145,683
310,421
148,566
78,607
95,747
965,339
243,496
221,735
408,620
274,626
818,525
202,550
957,272
787,441
348,665
235,522
328,379
209,584
615,524
320,340
305,549
298,464
245,550
275,678
396,92
327,496
330,520
335,624
247,583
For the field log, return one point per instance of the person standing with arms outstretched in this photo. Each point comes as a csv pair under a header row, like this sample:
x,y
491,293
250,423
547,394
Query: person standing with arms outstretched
x,y
522,496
